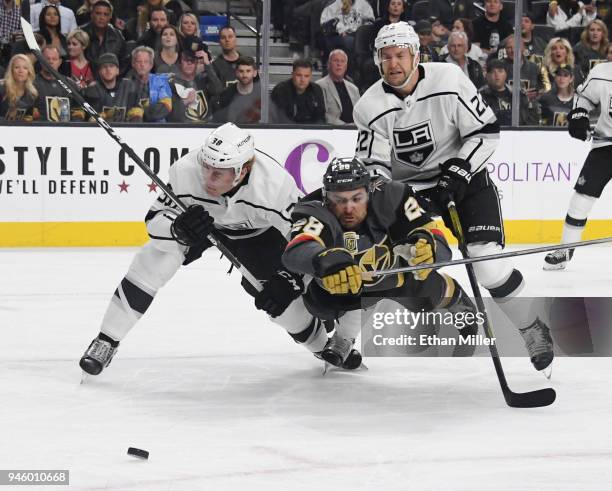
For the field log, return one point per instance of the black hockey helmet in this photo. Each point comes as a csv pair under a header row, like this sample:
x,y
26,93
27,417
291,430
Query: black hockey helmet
x,y
345,174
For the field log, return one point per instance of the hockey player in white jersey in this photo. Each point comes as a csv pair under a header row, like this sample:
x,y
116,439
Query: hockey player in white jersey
x,y
427,125
246,201
595,92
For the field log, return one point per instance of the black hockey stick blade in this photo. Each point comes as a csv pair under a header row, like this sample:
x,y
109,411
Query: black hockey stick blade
x,y
537,398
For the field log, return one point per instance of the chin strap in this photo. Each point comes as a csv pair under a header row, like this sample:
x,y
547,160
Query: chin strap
x,y
415,67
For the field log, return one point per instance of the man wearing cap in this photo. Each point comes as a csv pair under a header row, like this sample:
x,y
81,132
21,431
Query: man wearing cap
x,y
427,49
116,99
498,95
192,91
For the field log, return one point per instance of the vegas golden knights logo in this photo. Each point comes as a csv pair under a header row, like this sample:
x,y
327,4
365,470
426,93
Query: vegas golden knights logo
x,y
58,109
350,241
199,109
16,114
560,119
114,113
375,258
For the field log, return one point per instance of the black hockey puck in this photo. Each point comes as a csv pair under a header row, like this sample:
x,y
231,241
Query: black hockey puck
x,y
136,452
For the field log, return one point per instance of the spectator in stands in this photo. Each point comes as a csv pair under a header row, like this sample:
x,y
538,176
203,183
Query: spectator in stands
x,y
427,49
167,57
192,92
609,52
395,11
103,37
189,25
339,95
558,18
83,13
497,94
474,52
20,47
114,98
534,45
240,103
53,103
17,92
81,70
457,54
491,28
154,92
592,47
339,22
559,101
158,19
68,21
559,53
439,33
49,28
298,100
10,12
225,65
443,11
534,80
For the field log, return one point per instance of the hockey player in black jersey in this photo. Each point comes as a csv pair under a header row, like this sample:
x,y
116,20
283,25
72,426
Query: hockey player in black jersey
x,y
353,226
427,125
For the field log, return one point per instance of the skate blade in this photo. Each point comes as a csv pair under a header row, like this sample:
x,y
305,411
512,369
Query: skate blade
x,y
84,377
554,267
547,372
328,367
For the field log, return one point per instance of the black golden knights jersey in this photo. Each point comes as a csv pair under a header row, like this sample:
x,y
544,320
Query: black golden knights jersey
x,y
118,104
53,102
393,212
407,138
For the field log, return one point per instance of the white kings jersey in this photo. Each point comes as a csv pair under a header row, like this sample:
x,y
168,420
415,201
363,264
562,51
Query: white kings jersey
x,y
408,138
596,91
264,199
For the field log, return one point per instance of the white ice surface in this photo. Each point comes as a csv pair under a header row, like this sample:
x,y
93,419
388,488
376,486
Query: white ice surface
x,y
224,400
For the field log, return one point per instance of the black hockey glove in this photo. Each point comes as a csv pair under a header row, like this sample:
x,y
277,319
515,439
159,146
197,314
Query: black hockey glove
x,y
453,182
418,248
278,292
192,226
338,271
578,123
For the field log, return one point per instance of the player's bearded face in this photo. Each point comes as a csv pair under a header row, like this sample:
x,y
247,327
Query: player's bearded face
x,y
349,207
397,63
218,181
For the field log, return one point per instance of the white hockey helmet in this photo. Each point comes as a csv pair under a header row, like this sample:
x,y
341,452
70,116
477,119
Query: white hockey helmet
x,y
227,147
399,34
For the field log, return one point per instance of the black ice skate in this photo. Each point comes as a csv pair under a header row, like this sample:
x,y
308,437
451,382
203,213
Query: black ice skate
x,y
340,353
98,355
557,259
539,345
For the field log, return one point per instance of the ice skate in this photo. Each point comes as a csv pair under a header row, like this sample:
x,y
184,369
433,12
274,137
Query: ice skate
x,y
339,353
540,346
98,356
557,259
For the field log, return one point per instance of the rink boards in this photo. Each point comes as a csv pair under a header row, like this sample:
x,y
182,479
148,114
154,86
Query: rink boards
x,y
74,186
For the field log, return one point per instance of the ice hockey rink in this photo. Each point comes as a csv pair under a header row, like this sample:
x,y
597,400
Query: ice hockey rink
x,y
223,399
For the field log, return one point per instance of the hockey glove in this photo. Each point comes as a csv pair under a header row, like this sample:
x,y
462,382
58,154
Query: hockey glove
x,y
192,226
418,248
338,271
453,182
278,292
578,123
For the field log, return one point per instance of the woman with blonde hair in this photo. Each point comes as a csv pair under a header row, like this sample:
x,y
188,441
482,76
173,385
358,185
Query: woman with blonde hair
x,y
18,95
80,67
558,53
591,49
189,25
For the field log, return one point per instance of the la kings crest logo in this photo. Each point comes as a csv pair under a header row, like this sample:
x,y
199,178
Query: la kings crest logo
x,y
414,145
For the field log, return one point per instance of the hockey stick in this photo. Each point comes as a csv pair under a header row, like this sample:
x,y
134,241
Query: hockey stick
x,y
490,257
537,398
33,45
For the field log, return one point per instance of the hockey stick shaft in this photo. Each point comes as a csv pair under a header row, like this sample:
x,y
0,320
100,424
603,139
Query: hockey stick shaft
x,y
537,398
490,257
458,229
33,45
